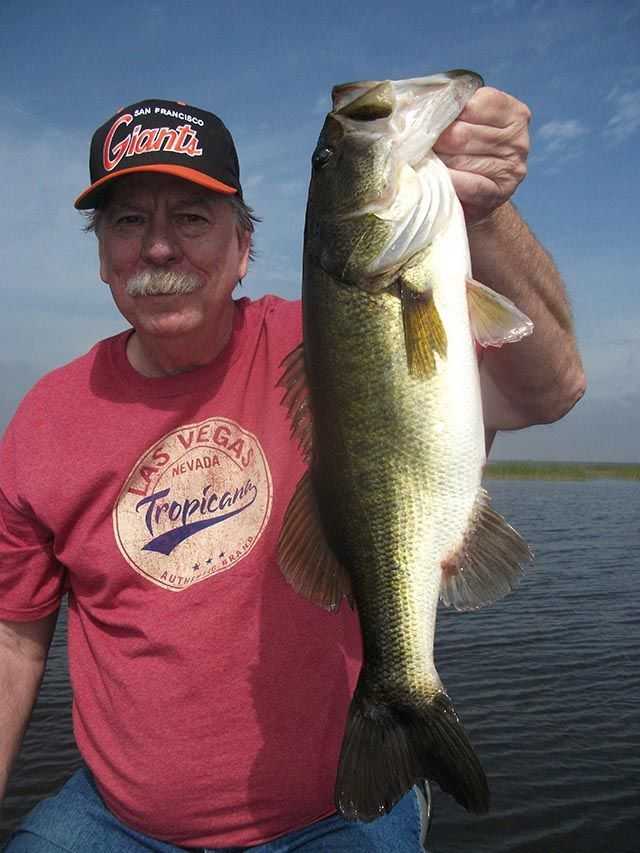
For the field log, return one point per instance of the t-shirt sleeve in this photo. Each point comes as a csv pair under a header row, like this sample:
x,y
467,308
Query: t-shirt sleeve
x,y
32,581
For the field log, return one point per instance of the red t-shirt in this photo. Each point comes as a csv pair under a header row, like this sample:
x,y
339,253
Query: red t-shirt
x,y
209,698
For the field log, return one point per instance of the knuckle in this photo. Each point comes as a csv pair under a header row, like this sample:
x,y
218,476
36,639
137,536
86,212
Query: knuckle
x,y
463,135
455,140
520,170
460,162
488,94
517,140
525,112
512,174
521,146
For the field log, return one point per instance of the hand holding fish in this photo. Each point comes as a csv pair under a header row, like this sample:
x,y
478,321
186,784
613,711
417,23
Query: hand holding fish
x,y
486,151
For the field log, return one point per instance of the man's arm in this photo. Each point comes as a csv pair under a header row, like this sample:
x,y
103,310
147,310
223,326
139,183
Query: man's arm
x,y
540,378
23,653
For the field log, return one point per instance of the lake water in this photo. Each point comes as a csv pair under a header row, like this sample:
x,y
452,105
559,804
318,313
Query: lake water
x,y
547,683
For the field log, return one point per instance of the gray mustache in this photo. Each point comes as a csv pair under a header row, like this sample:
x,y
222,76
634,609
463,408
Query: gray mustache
x,y
164,283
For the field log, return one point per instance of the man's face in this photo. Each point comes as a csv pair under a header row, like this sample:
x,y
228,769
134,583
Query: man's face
x,y
158,223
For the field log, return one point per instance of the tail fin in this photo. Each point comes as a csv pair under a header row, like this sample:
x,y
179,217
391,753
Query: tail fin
x,y
387,748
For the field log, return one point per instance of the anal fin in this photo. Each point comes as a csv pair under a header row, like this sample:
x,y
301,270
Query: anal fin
x,y
487,566
304,555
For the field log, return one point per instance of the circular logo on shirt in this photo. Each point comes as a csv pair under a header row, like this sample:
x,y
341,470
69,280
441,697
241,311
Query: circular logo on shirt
x,y
194,504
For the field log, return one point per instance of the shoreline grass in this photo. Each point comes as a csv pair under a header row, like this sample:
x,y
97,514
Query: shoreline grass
x,y
532,470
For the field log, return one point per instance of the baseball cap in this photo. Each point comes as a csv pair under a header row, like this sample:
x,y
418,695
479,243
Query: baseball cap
x,y
162,136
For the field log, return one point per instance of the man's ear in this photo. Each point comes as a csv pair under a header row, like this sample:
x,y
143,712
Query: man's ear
x,y
103,263
244,239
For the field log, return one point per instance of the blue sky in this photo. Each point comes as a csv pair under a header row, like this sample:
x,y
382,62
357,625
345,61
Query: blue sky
x,y
267,69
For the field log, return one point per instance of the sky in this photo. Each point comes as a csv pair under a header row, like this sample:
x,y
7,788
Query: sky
x,y
267,68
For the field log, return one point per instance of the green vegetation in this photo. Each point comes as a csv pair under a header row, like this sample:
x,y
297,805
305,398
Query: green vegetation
x,y
562,471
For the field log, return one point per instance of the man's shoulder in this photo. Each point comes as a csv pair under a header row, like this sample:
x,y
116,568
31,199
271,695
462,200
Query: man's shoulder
x,y
64,386
273,308
278,318
78,368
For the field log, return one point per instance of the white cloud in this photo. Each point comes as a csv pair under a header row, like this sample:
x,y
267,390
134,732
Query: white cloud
x,y
561,138
625,120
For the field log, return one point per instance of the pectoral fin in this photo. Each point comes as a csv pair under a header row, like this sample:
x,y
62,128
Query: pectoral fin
x,y
304,555
424,334
296,399
495,320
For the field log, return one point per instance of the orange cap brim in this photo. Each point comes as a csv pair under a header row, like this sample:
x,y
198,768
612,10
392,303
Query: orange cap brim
x,y
87,199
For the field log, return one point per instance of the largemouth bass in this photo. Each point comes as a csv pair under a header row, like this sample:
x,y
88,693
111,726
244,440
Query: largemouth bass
x,y
384,396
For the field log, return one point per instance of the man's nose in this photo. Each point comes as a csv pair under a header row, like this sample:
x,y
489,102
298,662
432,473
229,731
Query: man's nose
x,y
159,246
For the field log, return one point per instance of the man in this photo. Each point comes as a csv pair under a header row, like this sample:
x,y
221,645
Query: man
x,y
149,479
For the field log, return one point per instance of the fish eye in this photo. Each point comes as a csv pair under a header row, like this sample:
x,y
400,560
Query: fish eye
x,y
321,157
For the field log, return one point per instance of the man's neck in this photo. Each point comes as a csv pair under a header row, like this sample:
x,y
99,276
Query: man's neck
x,y
154,356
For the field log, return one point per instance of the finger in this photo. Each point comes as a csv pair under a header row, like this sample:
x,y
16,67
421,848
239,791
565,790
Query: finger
x,y
507,173
463,137
473,187
478,195
495,108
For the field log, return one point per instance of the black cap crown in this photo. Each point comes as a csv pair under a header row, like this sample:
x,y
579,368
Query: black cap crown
x,y
162,136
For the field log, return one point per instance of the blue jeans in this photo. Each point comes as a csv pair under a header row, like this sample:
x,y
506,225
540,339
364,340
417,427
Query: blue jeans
x,y
76,820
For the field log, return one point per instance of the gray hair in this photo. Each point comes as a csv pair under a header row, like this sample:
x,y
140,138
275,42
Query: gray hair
x,y
244,215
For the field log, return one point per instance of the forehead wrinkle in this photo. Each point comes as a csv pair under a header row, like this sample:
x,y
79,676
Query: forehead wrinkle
x,y
197,199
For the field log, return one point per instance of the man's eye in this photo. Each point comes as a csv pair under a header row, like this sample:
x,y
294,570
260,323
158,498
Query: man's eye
x,y
191,219
130,219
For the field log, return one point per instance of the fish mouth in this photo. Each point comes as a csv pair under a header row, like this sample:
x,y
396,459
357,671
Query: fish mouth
x,y
418,108
418,200
390,195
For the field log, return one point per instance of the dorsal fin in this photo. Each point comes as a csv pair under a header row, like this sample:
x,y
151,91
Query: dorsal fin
x,y
296,399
